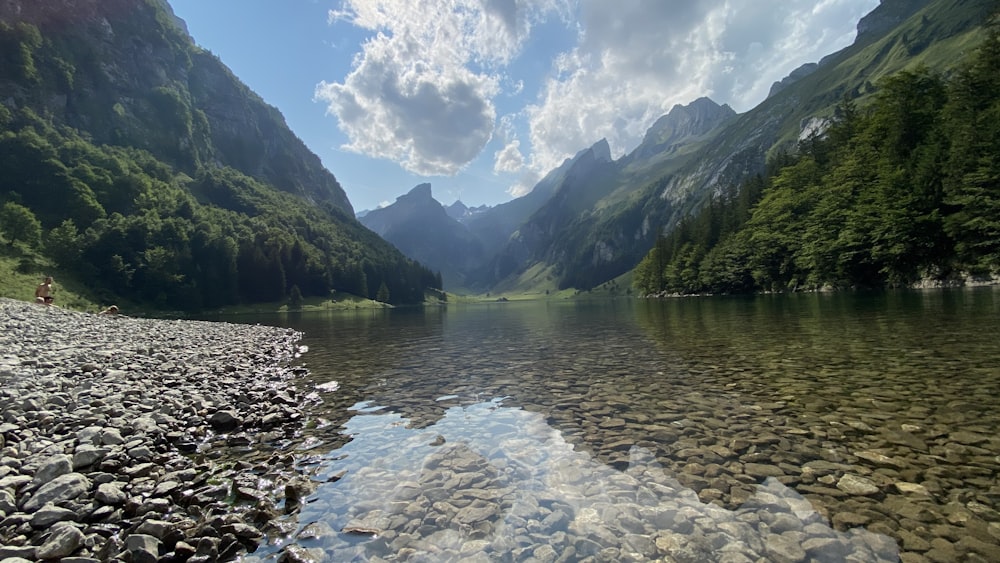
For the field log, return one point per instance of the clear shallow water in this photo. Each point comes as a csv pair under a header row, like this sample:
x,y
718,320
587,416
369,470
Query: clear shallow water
x,y
825,427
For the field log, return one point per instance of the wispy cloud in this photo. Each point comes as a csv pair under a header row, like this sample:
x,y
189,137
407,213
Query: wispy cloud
x,y
637,58
423,88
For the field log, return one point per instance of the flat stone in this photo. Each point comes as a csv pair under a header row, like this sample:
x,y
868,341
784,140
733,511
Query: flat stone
x,y
855,485
968,438
762,470
50,514
911,489
53,467
850,520
64,539
62,488
880,459
783,548
87,455
907,439
111,437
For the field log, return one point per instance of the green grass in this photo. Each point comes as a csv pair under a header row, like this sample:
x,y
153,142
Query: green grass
x,y
339,302
22,269
537,284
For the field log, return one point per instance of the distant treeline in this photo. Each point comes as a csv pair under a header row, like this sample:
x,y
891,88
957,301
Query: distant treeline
x,y
907,188
131,226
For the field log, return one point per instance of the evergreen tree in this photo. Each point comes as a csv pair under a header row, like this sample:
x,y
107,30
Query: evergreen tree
x,y
382,295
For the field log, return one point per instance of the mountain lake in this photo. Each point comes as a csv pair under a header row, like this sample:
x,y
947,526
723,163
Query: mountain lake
x,y
803,427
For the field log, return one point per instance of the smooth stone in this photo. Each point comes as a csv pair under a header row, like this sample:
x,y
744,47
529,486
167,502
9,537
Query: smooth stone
x,y
911,489
782,548
110,493
224,421
143,543
762,470
855,485
25,552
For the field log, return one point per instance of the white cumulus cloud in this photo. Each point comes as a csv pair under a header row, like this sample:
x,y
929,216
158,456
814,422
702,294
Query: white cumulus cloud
x,y
421,90
424,89
509,158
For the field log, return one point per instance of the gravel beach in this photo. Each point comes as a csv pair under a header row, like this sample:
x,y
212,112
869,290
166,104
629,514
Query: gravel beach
x,y
142,440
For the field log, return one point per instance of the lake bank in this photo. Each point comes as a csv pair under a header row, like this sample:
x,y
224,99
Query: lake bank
x,y
147,437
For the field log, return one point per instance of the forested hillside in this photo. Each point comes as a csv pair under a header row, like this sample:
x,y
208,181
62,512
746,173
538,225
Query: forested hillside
x,y
137,163
650,191
903,190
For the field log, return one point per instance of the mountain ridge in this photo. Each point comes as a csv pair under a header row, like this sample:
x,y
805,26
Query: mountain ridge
x,y
593,219
421,228
156,175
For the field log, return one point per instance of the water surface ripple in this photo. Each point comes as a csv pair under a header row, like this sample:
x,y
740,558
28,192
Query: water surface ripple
x,y
789,428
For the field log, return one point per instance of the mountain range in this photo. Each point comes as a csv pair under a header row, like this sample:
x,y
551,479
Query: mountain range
x,y
595,217
142,168
145,170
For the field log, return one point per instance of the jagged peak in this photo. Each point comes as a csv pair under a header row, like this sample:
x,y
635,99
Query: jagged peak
x,y
703,113
601,151
420,191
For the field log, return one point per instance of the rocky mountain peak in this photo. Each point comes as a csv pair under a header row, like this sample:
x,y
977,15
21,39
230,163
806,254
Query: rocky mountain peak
x,y
683,122
420,193
886,16
601,151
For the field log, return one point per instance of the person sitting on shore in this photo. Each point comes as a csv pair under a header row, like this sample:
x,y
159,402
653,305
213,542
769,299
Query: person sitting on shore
x,y
112,310
43,293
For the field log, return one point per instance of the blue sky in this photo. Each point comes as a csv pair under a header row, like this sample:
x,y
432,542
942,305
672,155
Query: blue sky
x,y
481,98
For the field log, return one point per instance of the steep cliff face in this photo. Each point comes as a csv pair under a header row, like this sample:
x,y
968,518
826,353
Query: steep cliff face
x,y
680,126
127,73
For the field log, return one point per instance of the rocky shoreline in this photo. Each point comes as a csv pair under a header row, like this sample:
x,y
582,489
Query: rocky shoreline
x,y
142,440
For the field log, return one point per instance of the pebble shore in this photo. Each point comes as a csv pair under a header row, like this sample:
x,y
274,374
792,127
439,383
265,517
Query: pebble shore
x,y
128,439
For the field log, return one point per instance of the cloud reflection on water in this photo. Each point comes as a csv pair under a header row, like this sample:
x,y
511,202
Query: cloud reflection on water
x,y
488,482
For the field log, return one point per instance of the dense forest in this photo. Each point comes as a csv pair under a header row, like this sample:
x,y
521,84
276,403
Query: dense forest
x,y
143,200
903,189
126,224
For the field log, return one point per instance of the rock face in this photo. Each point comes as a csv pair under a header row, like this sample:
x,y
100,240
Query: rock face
x,y
94,420
136,78
681,125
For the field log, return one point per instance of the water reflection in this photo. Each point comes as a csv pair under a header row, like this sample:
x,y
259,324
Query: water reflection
x,y
866,417
494,483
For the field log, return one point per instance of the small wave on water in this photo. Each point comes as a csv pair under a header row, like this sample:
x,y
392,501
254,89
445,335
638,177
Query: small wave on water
x,y
493,483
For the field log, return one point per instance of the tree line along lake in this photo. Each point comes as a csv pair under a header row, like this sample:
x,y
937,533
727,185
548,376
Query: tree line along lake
x,y
791,427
